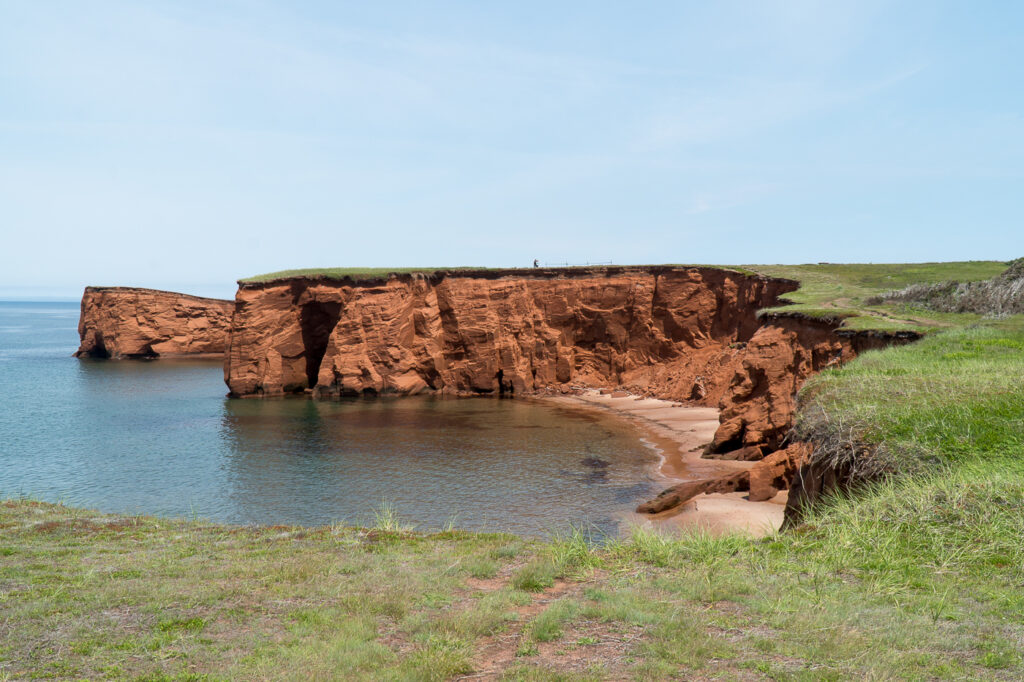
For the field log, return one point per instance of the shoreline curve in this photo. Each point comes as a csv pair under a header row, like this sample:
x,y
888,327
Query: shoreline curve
x,y
678,434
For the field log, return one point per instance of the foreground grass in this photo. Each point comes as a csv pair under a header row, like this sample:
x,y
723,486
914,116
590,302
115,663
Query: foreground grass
x,y
917,578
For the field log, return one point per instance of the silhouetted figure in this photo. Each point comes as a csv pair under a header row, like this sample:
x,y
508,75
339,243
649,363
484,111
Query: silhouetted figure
x,y
501,381
536,264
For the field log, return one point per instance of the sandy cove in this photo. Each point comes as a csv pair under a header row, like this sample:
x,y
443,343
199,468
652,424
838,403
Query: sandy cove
x,y
679,434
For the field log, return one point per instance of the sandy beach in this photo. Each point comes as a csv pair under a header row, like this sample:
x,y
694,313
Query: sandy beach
x,y
679,434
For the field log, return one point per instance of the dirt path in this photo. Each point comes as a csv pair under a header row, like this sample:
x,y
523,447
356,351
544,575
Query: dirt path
x,y
847,303
497,653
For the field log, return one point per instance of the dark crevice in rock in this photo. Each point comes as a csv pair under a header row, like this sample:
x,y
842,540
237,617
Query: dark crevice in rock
x,y
98,349
317,320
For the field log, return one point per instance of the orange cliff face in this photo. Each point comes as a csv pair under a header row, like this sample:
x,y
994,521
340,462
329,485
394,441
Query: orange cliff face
x,y
675,332
758,406
124,322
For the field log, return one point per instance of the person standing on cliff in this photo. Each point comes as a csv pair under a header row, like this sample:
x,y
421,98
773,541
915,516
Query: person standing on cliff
x,y
536,264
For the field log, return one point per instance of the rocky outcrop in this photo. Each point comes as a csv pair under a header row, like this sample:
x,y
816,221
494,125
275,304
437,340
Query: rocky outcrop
x,y
737,481
758,407
677,332
762,481
124,322
775,472
759,404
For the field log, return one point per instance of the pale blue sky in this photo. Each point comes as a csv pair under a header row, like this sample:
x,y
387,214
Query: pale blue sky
x,y
182,145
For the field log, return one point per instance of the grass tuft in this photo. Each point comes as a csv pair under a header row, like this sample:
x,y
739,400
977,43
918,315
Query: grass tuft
x,y
535,576
386,519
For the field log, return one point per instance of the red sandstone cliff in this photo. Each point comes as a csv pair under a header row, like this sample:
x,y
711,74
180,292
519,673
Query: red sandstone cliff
x,y
680,333
124,322
757,408
675,331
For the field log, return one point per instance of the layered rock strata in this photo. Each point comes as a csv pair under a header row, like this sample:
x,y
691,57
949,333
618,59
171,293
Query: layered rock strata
x,y
678,332
125,322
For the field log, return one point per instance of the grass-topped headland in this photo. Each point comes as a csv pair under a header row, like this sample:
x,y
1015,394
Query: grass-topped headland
x,y
915,575
358,274
998,296
848,293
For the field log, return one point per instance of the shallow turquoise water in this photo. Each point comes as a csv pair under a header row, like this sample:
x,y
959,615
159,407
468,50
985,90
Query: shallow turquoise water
x,y
160,437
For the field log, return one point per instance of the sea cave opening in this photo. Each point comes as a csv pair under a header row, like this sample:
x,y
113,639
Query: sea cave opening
x,y
317,320
99,349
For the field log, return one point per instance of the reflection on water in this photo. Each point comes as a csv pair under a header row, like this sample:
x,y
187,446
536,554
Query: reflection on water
x,y
160,437
491,464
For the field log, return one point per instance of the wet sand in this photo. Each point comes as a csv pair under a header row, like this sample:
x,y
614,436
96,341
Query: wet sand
x,y
679,434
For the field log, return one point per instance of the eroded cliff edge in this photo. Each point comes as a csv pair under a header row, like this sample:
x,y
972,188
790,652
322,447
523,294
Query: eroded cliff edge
x,y
670,330
127,322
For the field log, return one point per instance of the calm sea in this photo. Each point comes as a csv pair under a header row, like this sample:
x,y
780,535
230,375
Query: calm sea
x,y
160,437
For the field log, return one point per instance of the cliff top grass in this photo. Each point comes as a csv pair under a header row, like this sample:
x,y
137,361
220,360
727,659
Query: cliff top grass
x,y
344,273
827,290
362,274
842,291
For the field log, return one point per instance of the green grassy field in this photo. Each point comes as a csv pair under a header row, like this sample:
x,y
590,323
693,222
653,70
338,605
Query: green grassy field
x,y
840,290
920,576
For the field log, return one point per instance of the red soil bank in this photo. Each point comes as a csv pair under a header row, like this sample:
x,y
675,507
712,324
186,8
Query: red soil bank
x,y
758,405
